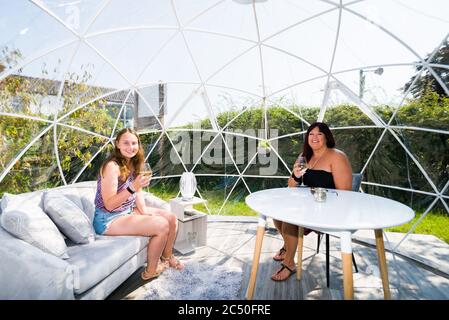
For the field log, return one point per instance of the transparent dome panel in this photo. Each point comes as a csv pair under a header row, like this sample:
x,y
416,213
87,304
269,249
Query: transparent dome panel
x,y
164,188
262,183
432,217
429,149
101,116
242,148
243,73
91,170
216,157
426,111
77,16
149,109
35,89
319,34
229,106
221,51
234,202
391,165
36,169
76,150
361,43
172,64
248,122
17,134
139,46
348,115
430,22
281,121
307,94
164,157
357,143
277,16
29,37
136,14
216,189
268,160
187,106
417,201
216,19
374,86
281,70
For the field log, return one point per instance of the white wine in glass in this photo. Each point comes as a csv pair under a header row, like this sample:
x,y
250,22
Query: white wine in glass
x,y
302,161
146,170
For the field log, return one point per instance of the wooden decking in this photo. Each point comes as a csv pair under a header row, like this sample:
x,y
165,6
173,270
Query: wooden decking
x,y
233,243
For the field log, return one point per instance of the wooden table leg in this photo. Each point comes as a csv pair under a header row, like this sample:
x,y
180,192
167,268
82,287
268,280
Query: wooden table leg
x,y
255,266
299,257
382,263
346,257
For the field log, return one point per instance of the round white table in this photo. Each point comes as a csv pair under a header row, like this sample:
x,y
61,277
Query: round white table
x,y
343,212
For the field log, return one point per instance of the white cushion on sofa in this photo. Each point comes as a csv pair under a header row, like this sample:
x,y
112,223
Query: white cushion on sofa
x,y
69,218
23,218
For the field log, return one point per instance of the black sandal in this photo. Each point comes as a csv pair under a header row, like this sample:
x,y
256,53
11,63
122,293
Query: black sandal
x,y
292,271
281,251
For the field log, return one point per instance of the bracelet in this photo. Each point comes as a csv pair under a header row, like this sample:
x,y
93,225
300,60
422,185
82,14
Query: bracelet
x,y
130,190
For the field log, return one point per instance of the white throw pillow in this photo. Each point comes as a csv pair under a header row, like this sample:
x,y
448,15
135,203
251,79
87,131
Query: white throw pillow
x,y
24,219
69,218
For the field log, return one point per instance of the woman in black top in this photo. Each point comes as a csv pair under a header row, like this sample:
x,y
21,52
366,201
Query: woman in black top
x,y
327,167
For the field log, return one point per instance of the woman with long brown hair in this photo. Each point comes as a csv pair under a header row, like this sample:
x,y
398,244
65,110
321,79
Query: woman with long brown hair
x,y
120,207
326,167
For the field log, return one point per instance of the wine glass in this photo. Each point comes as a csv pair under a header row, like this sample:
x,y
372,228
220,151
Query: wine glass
x,y
302,161
146,170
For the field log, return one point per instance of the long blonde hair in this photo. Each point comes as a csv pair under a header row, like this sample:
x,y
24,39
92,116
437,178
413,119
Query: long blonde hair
x,y
116,156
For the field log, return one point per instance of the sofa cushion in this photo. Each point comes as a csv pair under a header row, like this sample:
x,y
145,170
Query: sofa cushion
x,y
95,261
68,217
23,218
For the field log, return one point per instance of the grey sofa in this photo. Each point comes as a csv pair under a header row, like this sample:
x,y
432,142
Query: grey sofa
x,y
91,270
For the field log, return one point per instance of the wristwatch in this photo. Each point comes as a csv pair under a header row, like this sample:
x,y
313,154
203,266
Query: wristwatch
x,y
130,189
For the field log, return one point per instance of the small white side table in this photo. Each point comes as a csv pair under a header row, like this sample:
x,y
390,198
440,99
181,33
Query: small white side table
x,y
192,224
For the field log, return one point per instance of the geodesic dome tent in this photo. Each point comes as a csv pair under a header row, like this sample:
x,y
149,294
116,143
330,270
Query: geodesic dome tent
x,y
226,89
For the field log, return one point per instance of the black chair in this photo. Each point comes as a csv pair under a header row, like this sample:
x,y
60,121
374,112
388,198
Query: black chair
x,y
356,182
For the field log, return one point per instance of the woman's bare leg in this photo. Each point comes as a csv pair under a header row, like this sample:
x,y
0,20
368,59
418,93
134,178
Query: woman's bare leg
x,y
173,230
290,233
280,254
155,227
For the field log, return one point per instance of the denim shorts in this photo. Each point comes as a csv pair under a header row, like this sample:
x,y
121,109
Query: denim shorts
x,y
102,219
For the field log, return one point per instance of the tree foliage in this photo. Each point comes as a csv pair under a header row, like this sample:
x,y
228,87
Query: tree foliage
x,y
426,82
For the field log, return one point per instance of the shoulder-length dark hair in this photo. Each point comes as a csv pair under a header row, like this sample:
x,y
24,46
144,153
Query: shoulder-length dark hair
x,y
136,162
323,128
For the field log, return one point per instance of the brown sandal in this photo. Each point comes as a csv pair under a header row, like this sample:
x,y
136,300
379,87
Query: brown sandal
x,y
279,254
178,265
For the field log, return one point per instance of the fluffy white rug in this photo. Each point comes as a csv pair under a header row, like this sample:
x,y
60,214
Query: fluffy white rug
x,y
197,281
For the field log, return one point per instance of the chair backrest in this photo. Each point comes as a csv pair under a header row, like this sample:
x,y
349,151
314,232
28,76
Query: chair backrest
x,y
356,181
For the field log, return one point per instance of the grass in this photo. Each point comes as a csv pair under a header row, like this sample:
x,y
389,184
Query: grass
x,y
434,223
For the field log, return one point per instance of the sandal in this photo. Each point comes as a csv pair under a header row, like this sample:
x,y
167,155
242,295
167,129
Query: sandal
x,y
177,265
146,275
292,271
280,255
